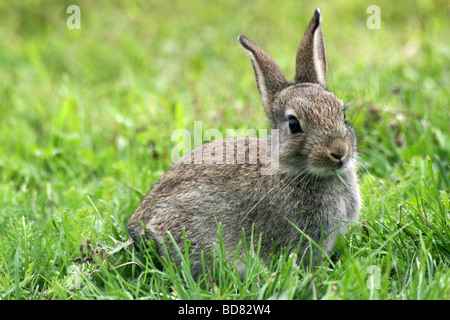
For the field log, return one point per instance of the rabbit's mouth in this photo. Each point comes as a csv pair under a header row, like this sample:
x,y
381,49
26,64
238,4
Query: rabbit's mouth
x,y
329,167
328,171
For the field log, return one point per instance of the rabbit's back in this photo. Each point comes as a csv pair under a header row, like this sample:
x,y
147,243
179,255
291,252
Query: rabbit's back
x,y
191,195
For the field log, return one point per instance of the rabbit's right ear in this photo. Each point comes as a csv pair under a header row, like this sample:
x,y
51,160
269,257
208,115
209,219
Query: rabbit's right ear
x,y
311,62
269,77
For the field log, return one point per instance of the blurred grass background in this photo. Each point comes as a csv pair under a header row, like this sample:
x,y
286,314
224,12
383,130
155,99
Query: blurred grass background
x,y
86,115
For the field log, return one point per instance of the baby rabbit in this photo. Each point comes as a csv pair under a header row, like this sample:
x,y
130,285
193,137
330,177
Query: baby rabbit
x,y
309,181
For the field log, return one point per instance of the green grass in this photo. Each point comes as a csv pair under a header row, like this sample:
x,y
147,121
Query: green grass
x,y
86,118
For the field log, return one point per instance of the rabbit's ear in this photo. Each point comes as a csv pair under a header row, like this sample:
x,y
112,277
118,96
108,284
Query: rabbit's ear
x,y
269,77
311,62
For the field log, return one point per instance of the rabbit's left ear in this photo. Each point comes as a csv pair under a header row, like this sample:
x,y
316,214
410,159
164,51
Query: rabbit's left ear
x,y
269,77
311,62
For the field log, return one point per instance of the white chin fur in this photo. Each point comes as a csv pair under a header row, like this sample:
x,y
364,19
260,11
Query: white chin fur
x,y
326,172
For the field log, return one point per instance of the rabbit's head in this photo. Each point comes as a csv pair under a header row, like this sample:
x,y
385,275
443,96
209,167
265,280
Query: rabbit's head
x,y
314,136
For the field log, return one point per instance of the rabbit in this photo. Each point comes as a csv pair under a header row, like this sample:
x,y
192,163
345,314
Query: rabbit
x,y
311,185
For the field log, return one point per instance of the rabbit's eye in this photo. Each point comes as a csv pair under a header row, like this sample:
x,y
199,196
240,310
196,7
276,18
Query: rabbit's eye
x,y
294,125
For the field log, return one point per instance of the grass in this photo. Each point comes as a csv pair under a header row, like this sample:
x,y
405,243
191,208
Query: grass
x,y
86,118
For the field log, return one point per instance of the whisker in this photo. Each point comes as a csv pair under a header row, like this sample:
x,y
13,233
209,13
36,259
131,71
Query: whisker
x,y
345,88
376,186
287,186
267,193
262,198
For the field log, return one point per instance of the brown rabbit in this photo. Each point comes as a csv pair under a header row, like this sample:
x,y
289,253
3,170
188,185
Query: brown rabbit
x,y
311,181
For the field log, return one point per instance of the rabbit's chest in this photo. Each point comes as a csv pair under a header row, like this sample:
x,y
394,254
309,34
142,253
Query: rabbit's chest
x,y
326,203
319,217
319,211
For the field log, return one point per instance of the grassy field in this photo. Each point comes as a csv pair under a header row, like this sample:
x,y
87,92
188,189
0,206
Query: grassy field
x,y
86,117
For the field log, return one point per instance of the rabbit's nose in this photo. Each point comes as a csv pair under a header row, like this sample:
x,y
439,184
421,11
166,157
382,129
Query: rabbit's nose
x,y
338,151
336,156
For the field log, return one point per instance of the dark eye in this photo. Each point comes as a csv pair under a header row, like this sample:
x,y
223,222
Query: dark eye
x,y
294,125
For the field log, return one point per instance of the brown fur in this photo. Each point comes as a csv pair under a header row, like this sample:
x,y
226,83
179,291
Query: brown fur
x,y
303,189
